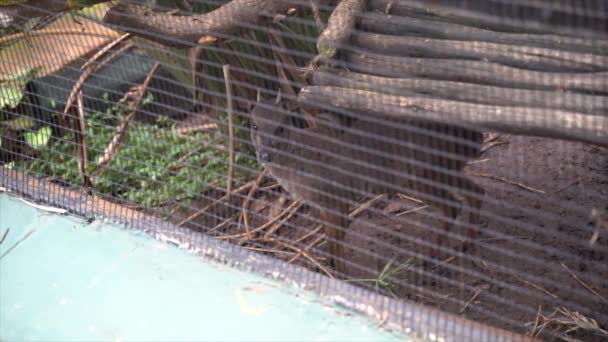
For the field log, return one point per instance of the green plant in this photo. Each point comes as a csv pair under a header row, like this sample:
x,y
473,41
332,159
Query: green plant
x,y
152,166
384,281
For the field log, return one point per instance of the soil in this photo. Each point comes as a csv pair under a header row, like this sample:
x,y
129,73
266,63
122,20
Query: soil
x,y
535,266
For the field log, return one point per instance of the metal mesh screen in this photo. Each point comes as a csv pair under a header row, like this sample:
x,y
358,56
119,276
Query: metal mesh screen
x,y
449,156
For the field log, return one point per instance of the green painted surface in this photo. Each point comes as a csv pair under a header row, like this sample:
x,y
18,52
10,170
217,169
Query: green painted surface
x,y
73,281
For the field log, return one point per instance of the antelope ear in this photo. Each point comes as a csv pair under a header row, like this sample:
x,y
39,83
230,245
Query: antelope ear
x,y
278,97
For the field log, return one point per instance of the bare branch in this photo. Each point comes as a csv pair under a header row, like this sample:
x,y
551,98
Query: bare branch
x,y
533,19
480,72
423,27
339,27
467,92
516,120
185,31
525,57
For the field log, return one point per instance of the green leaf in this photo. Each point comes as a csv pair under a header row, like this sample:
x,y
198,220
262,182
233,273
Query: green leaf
x,y
38,139
11,87
19,123
10,97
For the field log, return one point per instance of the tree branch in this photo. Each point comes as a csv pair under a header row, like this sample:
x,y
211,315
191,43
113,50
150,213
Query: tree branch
x,y
516,120
466,92
537,17
399,26
185,31
339,27
525,57
475,72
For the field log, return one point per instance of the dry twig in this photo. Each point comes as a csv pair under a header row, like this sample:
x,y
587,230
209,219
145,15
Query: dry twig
x,y
412,210
475,295
80,138
264,226
585,285
565,322
296,206
538,287
230,109
351,215
105,49
533,331
504,180
571,184
247,201
221,199
304,254
110,151
85,75
307,248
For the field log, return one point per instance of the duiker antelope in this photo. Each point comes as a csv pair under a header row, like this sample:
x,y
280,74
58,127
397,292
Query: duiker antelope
x,y
331,169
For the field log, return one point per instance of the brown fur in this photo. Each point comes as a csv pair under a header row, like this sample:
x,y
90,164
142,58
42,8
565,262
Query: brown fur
x,y
330,169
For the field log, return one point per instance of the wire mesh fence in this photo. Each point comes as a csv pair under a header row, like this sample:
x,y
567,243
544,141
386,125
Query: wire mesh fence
x,y
447,154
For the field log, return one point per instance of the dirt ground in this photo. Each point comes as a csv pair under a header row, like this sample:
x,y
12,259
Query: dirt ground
x,y
535,267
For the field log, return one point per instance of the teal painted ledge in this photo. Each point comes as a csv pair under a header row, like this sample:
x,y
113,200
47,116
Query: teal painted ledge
x,y
63,279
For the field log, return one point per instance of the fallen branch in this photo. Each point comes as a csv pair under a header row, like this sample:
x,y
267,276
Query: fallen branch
x,y
339,27
516,120
398,25
185,31
110,151
524,57
88,72
466,92
479,72
531,18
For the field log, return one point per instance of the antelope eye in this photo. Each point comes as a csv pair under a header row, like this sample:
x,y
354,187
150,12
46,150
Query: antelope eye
x,y
255,127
